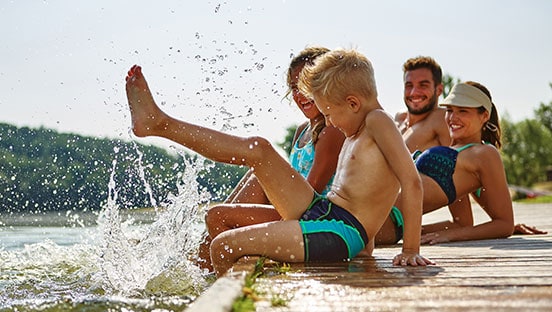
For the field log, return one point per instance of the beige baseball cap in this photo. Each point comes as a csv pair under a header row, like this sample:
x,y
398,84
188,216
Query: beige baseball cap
x,y
465,95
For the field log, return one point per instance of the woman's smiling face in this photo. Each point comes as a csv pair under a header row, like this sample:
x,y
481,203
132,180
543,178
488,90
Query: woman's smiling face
x,y
465,122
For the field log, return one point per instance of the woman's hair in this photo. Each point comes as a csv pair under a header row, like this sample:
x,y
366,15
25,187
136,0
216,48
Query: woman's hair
x,y
306,57
490,133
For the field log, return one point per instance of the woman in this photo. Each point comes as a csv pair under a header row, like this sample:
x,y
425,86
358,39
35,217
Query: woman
x,y
471,164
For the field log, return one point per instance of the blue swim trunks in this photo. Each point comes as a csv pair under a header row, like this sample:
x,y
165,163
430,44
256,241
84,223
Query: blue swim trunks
x,y
331,233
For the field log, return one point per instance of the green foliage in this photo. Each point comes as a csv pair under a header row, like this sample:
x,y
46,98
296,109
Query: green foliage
x,y
544,114
42,170
288,139
448,82
526,152
545,199
246,302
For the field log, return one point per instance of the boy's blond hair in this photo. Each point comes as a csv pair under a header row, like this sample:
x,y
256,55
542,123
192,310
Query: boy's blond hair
x,y
338,74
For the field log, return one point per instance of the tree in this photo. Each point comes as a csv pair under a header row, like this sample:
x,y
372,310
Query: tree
x,y
288,139
544,113
526,151
43,170
448,82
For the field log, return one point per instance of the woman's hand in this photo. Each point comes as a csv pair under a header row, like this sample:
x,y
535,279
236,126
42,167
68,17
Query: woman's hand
x,y
412,259
524,229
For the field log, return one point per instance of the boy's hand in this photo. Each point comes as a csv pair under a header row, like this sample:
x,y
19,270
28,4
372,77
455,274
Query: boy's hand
x,y
412,259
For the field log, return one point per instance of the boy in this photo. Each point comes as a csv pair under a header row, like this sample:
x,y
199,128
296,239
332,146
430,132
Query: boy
x,y
314,228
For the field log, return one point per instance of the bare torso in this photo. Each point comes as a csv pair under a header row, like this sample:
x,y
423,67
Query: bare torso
x,y
427,130
365,184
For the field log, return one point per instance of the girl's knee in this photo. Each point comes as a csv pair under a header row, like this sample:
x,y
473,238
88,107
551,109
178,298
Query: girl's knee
x,y
214,220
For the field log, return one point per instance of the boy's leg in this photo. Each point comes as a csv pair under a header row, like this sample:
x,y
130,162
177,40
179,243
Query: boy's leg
x,y
228,216
285,188
225,217
279,241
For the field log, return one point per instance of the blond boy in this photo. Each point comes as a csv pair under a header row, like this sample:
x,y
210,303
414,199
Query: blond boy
x,y
314,228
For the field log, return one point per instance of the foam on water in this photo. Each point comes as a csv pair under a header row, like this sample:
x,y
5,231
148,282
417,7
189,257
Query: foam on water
x,y
121,263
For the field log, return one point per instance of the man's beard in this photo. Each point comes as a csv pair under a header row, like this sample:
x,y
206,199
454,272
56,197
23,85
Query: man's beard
x,y
429,107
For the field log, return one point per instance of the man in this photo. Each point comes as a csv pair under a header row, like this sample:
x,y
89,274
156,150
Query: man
x,y
423,124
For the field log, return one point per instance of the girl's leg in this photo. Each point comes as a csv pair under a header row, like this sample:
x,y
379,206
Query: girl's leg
x,y
249,190
285,188
279,241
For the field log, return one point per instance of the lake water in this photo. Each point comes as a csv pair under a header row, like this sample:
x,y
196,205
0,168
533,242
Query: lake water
x,y
139,260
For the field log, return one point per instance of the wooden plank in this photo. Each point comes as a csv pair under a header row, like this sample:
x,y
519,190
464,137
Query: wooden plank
x,y
511,274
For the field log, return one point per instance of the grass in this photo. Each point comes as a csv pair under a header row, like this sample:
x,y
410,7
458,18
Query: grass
x,y
246,302
545,199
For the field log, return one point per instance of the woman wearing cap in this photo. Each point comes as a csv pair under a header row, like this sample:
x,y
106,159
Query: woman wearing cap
x,y
471,164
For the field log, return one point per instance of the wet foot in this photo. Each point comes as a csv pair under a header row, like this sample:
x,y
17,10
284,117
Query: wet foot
x,y
147,118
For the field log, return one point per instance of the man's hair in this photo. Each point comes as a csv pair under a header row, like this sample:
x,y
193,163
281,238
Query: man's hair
x,y
338,74
424,62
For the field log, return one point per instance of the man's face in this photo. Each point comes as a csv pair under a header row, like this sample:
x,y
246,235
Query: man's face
x,y
420,92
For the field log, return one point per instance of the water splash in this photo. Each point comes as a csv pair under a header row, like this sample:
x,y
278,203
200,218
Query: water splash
x,y
123,264
138,261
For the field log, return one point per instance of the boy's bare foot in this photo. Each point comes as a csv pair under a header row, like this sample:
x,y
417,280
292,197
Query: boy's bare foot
x,y
147,118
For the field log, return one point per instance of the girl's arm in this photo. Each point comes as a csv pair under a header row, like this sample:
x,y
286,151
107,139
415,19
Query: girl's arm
x,y
327,150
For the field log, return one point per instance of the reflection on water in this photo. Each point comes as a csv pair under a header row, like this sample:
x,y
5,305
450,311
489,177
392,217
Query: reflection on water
x,y
138,260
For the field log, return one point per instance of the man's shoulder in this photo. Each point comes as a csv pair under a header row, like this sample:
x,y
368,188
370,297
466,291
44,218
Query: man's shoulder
x,y
400,116
438,112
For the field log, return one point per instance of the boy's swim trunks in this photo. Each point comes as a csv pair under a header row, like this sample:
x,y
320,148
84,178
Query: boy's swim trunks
x,y
331,233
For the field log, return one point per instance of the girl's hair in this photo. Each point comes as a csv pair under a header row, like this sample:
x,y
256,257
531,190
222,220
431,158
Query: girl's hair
x,y
306,57
490,133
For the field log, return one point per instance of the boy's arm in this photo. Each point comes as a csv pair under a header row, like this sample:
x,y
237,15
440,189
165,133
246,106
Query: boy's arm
x,y
390,142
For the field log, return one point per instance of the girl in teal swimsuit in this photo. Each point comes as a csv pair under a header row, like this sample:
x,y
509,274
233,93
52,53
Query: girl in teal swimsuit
x,y
314,154
467,166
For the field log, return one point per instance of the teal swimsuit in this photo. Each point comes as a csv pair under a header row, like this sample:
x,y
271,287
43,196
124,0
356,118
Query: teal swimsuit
x,y
302,158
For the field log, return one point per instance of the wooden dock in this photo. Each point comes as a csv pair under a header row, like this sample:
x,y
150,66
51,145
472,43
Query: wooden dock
x,y
513,274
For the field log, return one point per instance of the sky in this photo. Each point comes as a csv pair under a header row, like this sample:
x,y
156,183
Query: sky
x,y
222,64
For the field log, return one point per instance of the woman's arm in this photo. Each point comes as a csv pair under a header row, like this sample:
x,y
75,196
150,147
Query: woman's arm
x,y
462,216
495,200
